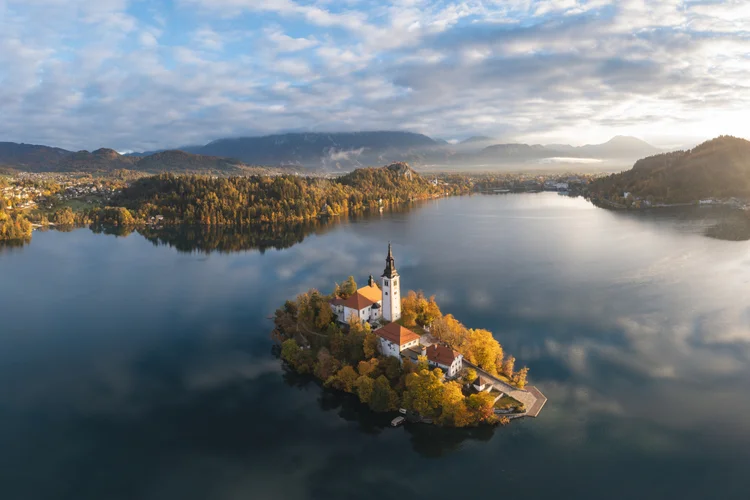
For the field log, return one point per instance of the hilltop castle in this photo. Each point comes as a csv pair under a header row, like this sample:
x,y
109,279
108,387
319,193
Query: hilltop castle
x,y
381,305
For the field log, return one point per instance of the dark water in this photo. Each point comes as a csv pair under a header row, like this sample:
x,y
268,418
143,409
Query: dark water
x,y
130,368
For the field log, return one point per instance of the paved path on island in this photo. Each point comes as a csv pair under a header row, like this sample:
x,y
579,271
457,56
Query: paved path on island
x,y
531,397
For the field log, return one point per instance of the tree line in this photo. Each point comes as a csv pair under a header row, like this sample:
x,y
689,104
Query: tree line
x,y
13,225
242,201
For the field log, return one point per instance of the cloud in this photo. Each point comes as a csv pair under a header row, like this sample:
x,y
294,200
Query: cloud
x,y
286,43
89,74
208,39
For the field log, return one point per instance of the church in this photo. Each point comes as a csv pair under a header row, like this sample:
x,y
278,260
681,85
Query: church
x,y
382,306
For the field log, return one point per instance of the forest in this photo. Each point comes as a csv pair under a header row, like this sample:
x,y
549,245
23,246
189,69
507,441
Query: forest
x,y
242,201
348,359
719,168
257,201
13,226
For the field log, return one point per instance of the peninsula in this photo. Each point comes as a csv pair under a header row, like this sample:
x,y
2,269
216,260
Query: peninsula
x,y
402,353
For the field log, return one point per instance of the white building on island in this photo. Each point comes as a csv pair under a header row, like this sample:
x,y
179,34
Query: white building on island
x,y
378,305
394,339
365,304
391,289
445,358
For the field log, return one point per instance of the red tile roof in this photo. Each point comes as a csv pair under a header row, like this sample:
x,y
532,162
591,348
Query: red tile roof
x,y
444,355
358,302
396,334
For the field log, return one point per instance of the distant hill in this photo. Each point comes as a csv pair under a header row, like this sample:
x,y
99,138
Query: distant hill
x,y
477,138
719,168
619,147
33,158
517,151
327,151
182,162
340,149
101,160
331,151
29,156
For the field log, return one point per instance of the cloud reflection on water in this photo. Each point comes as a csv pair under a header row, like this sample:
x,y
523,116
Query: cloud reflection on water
x,y
635,329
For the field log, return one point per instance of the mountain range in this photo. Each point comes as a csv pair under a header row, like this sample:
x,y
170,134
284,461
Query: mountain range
x,y
36,158
322,150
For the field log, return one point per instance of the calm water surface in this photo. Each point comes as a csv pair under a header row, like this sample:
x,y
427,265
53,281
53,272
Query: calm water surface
x,y
130,369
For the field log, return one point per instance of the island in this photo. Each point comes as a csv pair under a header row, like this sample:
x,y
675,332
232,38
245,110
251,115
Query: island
x,y
403,354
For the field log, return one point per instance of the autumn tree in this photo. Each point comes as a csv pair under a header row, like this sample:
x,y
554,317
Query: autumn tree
x,y
290,307
370,345
365,387
306,313
449,330
348,288
290,351
454,406
390,367
366,368
64,216
345,379
469,376
383,397
431,312
324,315
409,318
305,362
417,310
326,364
355,340
409,366
519,378
424,392
484,350
481,407
509,366
410,306
336,341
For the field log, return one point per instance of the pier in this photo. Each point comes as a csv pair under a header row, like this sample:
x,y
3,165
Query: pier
x,y
531,397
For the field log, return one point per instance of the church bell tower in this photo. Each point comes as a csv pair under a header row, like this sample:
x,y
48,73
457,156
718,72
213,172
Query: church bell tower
x,y
391,289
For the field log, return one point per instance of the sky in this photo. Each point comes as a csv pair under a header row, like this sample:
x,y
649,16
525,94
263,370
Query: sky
x,y
149,74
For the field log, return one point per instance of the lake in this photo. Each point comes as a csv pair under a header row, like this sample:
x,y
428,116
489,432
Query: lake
x,y
135,367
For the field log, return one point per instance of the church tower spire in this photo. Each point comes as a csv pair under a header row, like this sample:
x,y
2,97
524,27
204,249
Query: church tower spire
x,y
391,289
390,264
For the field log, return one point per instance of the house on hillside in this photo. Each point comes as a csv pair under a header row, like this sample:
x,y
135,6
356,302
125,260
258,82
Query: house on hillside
x,y
394,339
445,358
438,356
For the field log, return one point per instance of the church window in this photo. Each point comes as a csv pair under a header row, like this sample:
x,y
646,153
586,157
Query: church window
x,y
386,282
